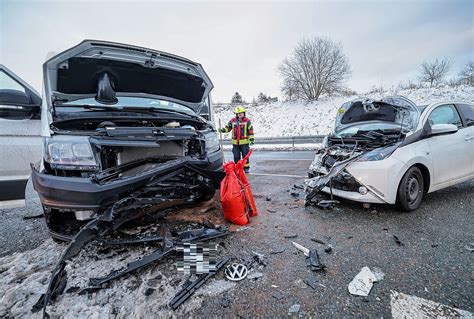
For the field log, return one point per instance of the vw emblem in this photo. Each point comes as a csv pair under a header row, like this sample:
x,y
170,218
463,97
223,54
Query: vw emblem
x,y
236,272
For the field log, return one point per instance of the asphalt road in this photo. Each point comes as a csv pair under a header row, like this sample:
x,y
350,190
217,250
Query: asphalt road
x,y
434,260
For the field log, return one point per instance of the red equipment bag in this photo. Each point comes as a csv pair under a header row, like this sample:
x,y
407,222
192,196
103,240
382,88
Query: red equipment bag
x,y
233,199
239,170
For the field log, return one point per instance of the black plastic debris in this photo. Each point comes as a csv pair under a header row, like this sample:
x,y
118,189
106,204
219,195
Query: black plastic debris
x,y
225,302
190,287
271,210
268,199
313,262
294,194
291,236
398,241
149,291
311,282
319,241
328,249
274,252
33,216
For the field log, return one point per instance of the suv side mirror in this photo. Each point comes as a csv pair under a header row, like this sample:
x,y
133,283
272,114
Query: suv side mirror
x,y
440,129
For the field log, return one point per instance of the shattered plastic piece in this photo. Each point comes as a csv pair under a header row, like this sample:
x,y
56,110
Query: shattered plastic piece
x,y
301,248
319,241
259,258
327,204
399,243
149,291
313,262
255,275
271,210
277,295
328,249
291,236
190,287
311,282
363,282
294,309
274,252
225,302
268,199
33,216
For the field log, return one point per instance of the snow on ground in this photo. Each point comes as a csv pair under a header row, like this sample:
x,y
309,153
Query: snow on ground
x,y
317,118
24,277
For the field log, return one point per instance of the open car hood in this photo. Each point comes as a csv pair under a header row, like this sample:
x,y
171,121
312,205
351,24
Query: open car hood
x,y
393,109
133,71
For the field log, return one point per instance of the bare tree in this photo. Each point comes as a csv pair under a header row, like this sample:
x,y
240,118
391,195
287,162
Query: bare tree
x,y
434,72
316,66
466,76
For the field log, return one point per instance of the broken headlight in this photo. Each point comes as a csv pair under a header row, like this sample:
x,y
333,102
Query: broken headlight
x,y
379,153
70,153
212,142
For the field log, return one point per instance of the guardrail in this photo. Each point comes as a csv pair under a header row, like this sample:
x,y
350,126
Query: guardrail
x,y
293,140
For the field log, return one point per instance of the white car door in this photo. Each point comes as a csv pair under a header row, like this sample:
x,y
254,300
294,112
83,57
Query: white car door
x,y
467,111
450,154
20,141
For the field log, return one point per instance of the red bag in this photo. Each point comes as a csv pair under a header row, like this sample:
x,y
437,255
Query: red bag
x,y
233,196
239,169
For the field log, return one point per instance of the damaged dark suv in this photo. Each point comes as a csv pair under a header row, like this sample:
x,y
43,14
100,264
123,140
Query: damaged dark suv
x,y
122,121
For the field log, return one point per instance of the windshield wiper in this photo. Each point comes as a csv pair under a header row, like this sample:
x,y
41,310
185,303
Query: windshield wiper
x,y
91,107
156,109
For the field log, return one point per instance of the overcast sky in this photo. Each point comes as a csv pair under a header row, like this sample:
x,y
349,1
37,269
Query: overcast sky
x,y
241,44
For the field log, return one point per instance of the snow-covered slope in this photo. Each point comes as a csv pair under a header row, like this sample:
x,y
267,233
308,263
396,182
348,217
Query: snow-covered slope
x,y
295,119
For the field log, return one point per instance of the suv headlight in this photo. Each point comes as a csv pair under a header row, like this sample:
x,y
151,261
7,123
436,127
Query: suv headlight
x,y
70,153
212,142
379,153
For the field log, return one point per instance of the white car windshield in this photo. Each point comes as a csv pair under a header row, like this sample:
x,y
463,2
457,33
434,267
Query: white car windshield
x,y
353,130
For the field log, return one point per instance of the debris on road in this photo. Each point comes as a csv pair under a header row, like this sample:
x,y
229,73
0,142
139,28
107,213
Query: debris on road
x,y
294,309
274,252
398,241
311,282
190,287
255,275
313,262
327,204
259,258
290,236
301,248
319,241
268,199
278,295
271,210
363,281
328,249
33,216
236,272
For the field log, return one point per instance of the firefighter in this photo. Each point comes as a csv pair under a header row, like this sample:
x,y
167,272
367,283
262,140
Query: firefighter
x,y
242,135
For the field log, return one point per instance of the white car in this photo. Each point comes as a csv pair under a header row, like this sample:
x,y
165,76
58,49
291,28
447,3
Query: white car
x,y
390,151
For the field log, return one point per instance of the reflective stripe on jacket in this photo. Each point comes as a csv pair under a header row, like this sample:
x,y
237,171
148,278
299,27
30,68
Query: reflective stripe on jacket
x,y
242,131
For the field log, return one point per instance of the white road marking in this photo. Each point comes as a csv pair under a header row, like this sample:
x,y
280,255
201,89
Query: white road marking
x,y
406,306
277,175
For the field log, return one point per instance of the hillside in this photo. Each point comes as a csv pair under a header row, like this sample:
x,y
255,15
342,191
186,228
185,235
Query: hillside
x,y
317,118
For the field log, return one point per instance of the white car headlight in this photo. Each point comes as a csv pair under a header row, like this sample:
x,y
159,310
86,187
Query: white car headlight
x,y
212,142
70,153
379,153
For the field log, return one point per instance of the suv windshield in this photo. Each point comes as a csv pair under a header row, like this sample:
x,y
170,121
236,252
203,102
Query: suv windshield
x,y
130,102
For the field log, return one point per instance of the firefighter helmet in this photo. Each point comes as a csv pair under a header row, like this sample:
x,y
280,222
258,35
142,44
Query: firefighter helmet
x,y
239,109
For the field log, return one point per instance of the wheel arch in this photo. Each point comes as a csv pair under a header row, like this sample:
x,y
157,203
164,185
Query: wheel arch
x,y
425,173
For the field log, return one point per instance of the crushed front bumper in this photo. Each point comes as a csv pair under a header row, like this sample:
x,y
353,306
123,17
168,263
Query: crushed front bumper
x,y
85,193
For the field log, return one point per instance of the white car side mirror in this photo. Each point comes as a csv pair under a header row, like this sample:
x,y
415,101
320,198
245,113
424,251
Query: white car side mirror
x,y
438,129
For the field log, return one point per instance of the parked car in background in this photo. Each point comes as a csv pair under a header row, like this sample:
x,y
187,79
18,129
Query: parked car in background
x,y
390,151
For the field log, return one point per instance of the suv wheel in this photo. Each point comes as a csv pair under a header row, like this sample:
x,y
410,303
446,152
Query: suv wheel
x,y
410,190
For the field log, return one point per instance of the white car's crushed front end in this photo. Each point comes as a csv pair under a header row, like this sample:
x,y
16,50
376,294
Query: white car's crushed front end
x,y
355,162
